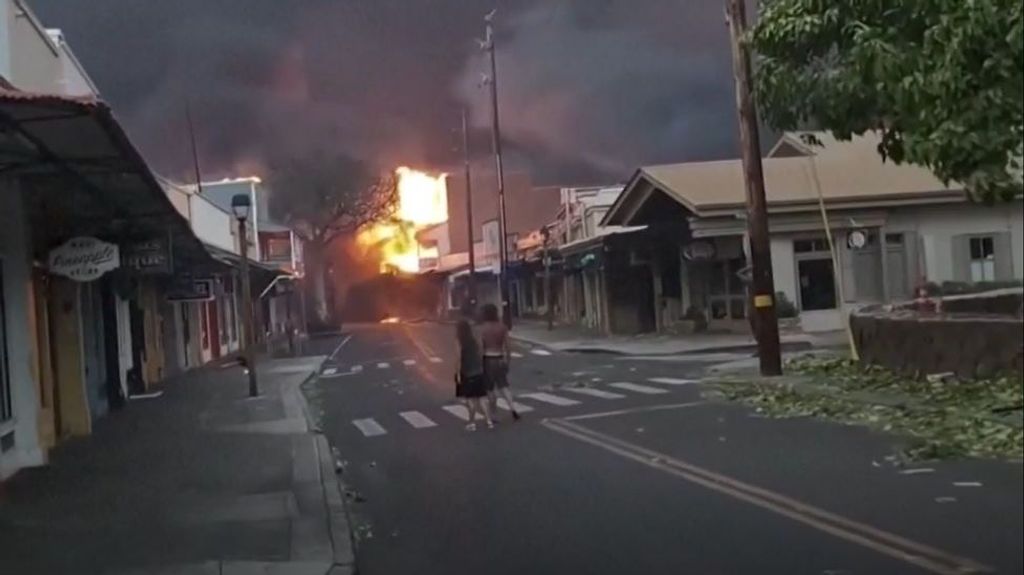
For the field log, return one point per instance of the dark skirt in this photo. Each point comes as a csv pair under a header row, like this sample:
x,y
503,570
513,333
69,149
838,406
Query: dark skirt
x,y
496,372
472,386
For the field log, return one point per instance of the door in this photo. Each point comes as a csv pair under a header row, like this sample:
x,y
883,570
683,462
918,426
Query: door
x,y
817,284
213,321
93,349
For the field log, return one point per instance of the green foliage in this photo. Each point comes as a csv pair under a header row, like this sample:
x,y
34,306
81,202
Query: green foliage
x,y
942,80
942,418
784,308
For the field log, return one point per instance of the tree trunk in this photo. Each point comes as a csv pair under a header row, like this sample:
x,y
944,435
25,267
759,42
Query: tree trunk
x,y
316,285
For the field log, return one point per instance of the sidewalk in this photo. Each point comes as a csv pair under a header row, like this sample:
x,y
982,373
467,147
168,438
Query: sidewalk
x,y
575,339
201,480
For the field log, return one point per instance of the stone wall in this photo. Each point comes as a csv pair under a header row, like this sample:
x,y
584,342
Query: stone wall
x,y
921,344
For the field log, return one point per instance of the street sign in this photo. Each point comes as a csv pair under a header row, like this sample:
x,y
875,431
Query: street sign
x,y
84,259
191,290
148,257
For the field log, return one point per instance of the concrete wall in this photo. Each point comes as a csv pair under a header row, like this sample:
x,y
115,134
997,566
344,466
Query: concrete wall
x,y
17,287
936,226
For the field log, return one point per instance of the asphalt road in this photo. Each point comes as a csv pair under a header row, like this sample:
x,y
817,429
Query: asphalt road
x,y
620,467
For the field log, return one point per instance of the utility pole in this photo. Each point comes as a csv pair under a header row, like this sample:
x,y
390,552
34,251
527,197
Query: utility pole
x,y
195,152
489,46
549,307
471,285
762,282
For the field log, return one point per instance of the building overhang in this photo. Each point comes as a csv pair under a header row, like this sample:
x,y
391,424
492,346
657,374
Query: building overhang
x,y
81,175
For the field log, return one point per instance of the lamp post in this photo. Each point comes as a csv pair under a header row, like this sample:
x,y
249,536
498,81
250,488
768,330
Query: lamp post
x,y
241,204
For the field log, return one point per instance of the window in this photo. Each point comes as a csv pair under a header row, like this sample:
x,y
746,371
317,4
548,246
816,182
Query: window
x,y
983,259
810,245
279,249
6,406
894,239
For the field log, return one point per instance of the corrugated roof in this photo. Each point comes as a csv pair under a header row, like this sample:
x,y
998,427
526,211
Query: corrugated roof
x,y
845,171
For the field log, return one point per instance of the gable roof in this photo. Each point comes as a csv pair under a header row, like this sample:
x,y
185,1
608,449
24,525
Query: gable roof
x,y
842,171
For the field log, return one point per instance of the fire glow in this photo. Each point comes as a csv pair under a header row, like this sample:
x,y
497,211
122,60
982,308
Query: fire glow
x,y
422,202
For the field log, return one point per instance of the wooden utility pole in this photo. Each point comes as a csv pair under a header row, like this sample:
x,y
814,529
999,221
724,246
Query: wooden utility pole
x,y
490,48
549,306
471,285
762,282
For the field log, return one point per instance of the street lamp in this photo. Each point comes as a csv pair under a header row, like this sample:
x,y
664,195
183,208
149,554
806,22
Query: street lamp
x,y
241,205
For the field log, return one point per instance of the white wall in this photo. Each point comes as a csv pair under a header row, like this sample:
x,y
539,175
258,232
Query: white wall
x,y
938,225
32,59
14,254
73,80
212,224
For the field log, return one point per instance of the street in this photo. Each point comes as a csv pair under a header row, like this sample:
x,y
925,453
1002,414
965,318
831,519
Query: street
x,y
622,466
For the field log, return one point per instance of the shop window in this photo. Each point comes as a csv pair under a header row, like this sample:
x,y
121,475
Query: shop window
x,y
983,259
6,407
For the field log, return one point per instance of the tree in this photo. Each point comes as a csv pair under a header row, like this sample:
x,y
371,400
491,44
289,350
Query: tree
x,y
325,197
941,80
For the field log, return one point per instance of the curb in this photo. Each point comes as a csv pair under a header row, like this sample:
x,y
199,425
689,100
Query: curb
x,y
337,516
792,346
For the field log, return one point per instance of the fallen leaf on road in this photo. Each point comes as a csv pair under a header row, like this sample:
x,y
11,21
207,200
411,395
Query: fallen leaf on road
x,y
917,471
721,438
945,499
875,463
966,484
639,430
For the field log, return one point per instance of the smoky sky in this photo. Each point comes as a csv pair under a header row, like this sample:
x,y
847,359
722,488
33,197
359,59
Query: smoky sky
x,y
589,89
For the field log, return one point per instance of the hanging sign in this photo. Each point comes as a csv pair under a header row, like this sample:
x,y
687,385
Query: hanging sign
x,y
84,259
194,290
148,257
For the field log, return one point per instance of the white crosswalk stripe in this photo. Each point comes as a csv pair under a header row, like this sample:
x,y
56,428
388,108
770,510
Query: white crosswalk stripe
x,y
540,352
409,362
516,354
330,370
383,365
435,360
645,389
369,427
356,368
548,398
595,392
672,380
459,411
417,419
520,407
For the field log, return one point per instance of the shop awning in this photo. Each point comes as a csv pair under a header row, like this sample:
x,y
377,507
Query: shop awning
x,y
82,176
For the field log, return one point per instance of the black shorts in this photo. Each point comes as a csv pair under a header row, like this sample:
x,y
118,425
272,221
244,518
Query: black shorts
x,y
496,372
472,386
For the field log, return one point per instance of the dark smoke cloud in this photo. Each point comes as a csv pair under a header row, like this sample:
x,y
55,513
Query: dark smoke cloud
x,y
590,89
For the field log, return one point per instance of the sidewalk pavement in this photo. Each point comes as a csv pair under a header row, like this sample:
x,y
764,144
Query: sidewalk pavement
x,y
576,339
202,480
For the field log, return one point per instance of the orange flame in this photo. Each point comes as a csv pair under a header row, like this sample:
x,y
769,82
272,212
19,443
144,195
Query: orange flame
x,y
422,202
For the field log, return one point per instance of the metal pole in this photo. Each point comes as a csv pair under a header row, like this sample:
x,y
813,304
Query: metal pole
x,y
247,327
763,283
195,153
496,143
469,214
550,305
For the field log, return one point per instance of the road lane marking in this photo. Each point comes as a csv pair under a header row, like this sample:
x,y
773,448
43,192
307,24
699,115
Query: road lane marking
x,y
459,411
595,392
356,368
672,380
420,346
929,558
369,427
417,419
520,407
548,398
409,362
330,371
383,365
645,389
340,345
516,354
628,410
540,352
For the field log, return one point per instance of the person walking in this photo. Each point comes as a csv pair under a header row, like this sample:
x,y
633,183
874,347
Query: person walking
x,y
470,383
497,355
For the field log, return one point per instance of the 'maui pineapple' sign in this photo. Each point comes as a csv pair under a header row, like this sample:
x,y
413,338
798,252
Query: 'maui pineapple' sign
x,y
84,259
